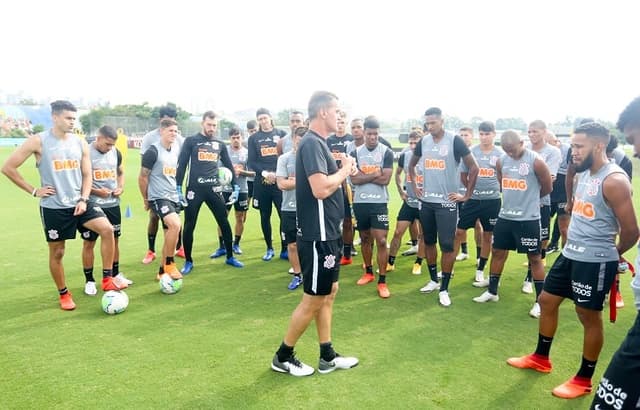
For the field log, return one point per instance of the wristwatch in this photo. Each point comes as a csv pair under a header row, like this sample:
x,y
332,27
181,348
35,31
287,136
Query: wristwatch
x,y
85,200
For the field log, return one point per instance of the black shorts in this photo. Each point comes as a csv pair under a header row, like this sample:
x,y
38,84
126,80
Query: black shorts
x,y
523,236
61,224
249,189
371,216
558,208
241,205
320,265
619,387
347,204
408,213
264,195
115,218
485,210
545,222
559,192
439,224
288,226
164,207
586,283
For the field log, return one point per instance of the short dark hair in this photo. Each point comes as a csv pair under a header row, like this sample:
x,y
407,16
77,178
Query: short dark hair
x,y
262,111
168,111
585,121
109,132
433,111
234,131
209,114
62,105
630,116
415,135
594,130
296,112
371,122
466,128
318,101
538,124
486,126
168,122
251,124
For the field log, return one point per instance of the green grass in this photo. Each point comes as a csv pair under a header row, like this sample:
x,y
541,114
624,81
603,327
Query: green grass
x,y
210,345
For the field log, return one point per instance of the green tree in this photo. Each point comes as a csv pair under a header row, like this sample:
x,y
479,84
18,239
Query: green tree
x,y
95,118
38,128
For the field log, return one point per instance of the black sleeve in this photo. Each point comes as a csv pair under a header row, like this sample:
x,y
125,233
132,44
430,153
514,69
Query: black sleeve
x,y
384,142
460,149
627,165
252,156
119,157
417,151
401,160
149,157
226,161
313,159
388,159
183,160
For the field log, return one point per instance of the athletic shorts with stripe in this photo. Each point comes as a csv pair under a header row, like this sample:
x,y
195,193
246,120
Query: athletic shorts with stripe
x,y
288,226
439,224
523,236
485,210
545,222
620,384
586,283
320,265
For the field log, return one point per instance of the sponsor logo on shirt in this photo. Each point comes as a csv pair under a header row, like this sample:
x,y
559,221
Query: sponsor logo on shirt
x,y
486,173
65,164
207,156
584,209
104,174
268,151
514,184
169,171
437,164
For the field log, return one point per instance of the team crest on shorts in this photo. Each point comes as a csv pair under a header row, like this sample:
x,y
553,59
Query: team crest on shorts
x,y
523,169
592,187
53,234
329,261
164,209
85,234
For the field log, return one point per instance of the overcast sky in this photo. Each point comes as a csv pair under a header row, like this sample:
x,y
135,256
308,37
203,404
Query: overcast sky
x,y
530,59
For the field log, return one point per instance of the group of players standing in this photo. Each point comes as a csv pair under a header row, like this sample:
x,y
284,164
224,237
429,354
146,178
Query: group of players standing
x,y
448,187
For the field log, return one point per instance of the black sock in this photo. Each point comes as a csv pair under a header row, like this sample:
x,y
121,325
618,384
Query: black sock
x,y
414,242
236,240
169,260
418,260
494,281
326,352
392,260
151,240
463,247
369,270
284,352
587,368
478,250
107,273
283,247
528,278
433,272
161,270
544,345
88,274
221,242
116,268
382,279
298,275
63,291
482,263
538,284
347,250
446,277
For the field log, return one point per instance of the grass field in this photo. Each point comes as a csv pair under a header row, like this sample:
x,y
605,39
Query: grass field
x,y
210,346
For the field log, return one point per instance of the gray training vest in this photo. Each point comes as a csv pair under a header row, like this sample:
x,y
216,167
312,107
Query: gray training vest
x,y
287,168
593,227
104,174
162,179
487,184
60,167
520,188
552,157
239,160
439,168
412,199
370,161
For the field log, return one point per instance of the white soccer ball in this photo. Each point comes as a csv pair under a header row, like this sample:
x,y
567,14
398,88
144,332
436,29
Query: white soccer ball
x,y
168,285
224,176
114,302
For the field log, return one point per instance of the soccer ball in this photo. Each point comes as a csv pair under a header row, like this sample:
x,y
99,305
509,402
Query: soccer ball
x,y
114,302
224,176
168,285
